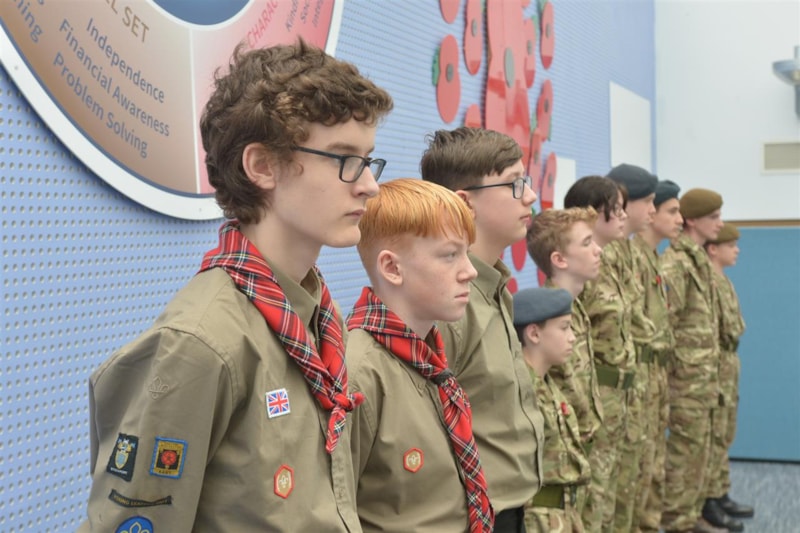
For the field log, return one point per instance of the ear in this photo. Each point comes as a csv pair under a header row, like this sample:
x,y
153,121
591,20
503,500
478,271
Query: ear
x,y
259,165
557,260
532,333
389,267
464,195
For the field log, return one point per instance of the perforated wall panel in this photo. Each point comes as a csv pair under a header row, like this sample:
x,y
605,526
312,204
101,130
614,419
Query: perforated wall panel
x,y
85,270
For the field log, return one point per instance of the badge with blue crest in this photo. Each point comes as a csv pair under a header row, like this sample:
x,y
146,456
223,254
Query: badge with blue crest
x,y
123,456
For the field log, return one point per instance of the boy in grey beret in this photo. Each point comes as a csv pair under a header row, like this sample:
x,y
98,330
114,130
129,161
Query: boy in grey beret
x,y
543,319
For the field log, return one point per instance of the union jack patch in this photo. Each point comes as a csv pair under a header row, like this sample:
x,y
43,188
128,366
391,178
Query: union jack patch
x,y
277,403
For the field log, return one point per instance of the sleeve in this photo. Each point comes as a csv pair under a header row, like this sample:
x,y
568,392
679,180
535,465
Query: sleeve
x,y
602,308
159,410
675,280
364,420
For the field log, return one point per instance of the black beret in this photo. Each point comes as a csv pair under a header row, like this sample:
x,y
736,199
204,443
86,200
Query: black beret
x,y
539,304
666,190
697,203
638,181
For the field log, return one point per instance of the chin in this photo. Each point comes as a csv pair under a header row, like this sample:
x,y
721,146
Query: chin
x,y
344,239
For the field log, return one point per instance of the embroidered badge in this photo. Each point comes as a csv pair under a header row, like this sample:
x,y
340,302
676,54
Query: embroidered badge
x,y
157,387
277,403
168,457
413,460
124,501
284,481
135,524
123,456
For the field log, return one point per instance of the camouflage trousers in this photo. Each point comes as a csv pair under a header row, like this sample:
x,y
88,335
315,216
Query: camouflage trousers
x,y
650,497
598,511
631,449
550,520
686,466
723,429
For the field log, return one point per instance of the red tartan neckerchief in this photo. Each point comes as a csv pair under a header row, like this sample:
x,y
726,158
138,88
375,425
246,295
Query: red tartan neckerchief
x,y
371,315
324,372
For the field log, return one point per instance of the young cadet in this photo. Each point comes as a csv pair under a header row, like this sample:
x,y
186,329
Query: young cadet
x,y
542,317
641,186
606,304
485,169
561,243
415,460
693,379
667,224
227,414
723,252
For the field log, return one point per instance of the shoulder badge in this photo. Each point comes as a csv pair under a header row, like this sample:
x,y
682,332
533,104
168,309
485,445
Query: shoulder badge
x,y
123,456
168,457
135,524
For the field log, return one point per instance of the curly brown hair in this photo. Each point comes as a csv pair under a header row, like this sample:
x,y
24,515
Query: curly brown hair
x,y
549,232
271,96
462,157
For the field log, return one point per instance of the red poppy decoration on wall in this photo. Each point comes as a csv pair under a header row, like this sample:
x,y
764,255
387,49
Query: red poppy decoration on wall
x,y
449,9
529,27
472,118
473,36
548,44
448,83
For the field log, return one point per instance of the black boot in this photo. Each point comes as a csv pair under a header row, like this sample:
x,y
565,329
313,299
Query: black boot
x,y
735,509
715,516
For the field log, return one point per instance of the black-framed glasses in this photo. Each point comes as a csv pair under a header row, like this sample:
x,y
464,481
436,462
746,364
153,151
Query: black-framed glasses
x,y
617,210
350,166
517,186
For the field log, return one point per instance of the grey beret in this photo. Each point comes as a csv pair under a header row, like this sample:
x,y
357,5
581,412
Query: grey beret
x,y
638,181
666,190
539,304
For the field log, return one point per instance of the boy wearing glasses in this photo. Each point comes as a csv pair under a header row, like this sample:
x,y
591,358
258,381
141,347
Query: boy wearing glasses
x,y
227,414
416,463
485,169
606,302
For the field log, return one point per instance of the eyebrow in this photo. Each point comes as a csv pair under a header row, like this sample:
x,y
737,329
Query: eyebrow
x,y
346,147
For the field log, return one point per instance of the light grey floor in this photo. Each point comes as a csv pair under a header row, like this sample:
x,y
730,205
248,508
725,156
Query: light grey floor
x,y
773,489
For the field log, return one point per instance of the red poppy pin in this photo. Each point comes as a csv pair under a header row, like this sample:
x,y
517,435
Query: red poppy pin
x,y
564,409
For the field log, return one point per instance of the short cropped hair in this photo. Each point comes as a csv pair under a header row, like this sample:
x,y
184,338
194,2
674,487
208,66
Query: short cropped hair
x,y
271,96
462,157
598,192
549,232
409,206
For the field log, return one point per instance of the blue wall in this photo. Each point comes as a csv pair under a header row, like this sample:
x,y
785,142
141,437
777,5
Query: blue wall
x,y
767,280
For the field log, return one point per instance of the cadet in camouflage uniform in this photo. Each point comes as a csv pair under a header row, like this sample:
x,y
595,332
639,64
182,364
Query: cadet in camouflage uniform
x,y
722,252
542,318
561,243
693,381
667,224
608,308
641,187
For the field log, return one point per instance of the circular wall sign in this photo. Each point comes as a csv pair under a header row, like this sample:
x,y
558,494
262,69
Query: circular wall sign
x,y
123,83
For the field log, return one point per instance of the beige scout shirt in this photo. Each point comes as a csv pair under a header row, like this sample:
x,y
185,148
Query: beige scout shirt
x,y
565,461
655,296
486,357
200,376
692,309
406,472
577,378
609,310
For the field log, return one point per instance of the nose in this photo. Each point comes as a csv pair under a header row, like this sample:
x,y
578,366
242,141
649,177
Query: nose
x,y
468,272
366,184
571,336
596,250
528,195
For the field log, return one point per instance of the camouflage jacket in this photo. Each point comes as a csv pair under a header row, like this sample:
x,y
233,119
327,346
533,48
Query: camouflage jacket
x,y
576,378
655,296
693,315
607,303
564,460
